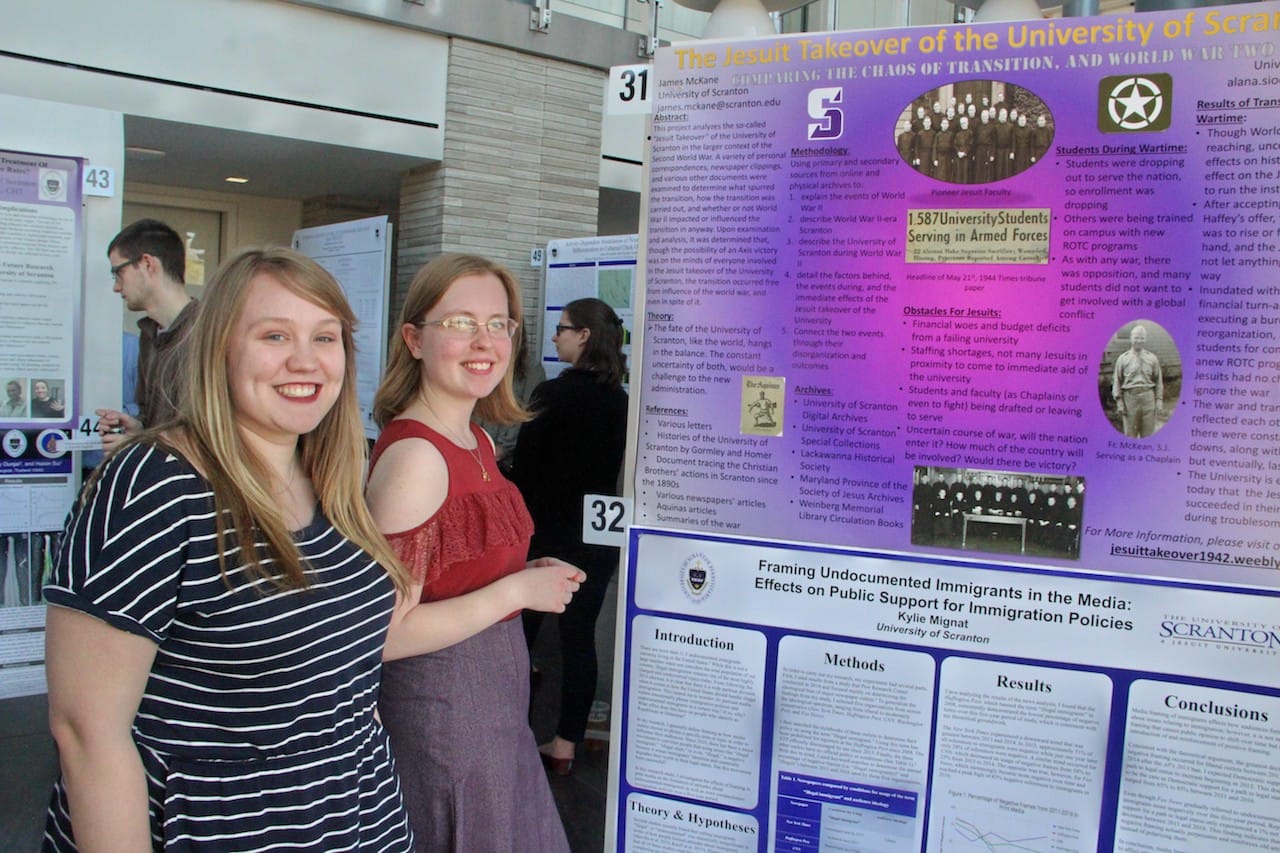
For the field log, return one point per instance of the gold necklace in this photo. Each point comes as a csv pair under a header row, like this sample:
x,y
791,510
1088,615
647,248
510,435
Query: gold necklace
x,y
452,436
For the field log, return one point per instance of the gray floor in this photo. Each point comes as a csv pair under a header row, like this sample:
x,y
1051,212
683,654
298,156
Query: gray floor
x,y
28,761
28,764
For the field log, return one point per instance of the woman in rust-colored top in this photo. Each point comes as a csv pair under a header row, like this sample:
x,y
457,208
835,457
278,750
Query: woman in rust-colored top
x,y
457,717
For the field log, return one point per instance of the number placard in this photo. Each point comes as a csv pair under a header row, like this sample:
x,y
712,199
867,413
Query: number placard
x,y
100,181
605,519
630,90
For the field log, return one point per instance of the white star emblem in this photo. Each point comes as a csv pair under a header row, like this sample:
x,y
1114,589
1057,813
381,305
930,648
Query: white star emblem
x,y
1135,103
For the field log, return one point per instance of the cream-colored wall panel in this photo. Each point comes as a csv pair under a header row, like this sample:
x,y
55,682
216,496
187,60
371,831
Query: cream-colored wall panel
x,y
266,66
276,49
248,220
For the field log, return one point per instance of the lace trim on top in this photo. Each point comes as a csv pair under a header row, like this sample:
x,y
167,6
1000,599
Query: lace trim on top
x,y
464,529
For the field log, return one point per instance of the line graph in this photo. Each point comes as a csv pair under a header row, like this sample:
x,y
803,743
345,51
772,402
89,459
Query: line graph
x,y
961,834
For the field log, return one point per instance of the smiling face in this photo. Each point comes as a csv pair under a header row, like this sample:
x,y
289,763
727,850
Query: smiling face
x,y
455,364
40,388
285,362
14,390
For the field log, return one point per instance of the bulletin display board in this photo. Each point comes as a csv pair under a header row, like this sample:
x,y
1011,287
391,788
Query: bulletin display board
x,y
358,254
41,275
600,267
957,462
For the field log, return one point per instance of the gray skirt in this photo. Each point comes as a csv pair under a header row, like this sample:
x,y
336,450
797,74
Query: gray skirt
x,y
470,773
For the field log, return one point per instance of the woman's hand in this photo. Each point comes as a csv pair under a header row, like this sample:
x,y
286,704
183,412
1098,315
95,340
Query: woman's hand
x,y
417,628
548,584
114,427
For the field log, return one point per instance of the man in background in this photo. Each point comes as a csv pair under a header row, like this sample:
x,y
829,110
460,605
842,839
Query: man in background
x,y
1138,386
15,404
148,268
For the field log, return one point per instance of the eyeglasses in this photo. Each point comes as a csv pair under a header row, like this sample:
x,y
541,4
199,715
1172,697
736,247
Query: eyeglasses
x,y
119,268
498,327
560,327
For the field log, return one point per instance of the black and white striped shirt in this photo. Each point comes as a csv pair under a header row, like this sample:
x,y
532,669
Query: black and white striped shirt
x,y
256,727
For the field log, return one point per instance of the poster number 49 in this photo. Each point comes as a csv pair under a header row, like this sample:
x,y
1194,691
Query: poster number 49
x,y
629,90
605,519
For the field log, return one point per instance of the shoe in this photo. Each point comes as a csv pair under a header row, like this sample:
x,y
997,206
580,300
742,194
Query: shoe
x,y
557,766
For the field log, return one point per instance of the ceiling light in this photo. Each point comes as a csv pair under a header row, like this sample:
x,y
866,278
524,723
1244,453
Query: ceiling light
x,y
141,153
232,179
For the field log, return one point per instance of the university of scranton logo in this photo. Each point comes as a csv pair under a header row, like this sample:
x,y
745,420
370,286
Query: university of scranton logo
x,y
828,115
1229,635
52,185
697,577
1135,104
15,443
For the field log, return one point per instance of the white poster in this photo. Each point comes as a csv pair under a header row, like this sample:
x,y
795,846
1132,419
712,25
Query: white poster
x,y
600,267
358,255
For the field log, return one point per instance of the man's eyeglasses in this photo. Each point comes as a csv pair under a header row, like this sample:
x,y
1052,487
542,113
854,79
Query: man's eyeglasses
x,y
560,328
119,268
498,327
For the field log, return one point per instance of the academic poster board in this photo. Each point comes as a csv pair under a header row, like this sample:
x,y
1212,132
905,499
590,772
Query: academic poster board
x,y
41,275
599,267
956,483
41,264
358,254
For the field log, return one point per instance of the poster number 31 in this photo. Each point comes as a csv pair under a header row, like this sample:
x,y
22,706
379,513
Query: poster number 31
x,y
630,90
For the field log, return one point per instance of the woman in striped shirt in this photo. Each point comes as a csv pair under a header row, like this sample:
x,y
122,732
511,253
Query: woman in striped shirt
x,y
222,600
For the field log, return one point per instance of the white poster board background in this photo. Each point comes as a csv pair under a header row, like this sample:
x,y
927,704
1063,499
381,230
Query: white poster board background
x,y
599,267
859,700
358,255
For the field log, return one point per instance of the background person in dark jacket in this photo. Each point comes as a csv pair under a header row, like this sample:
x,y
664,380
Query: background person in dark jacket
x,y
574,447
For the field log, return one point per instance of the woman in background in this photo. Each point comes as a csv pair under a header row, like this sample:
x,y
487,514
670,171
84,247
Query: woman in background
x,y
43,404
458,717
574,447
527,373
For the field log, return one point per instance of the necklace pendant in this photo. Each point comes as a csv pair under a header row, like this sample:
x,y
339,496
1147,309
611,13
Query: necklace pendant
x,y
484,474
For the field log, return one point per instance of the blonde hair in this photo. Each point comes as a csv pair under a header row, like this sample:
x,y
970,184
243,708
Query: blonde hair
x,y
402,381
332,455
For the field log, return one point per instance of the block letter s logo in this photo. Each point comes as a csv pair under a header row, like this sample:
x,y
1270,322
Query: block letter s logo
x,y
829,122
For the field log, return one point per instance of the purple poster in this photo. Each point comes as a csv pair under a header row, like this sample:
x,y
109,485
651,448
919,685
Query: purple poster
x,y
1004,289
957,488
